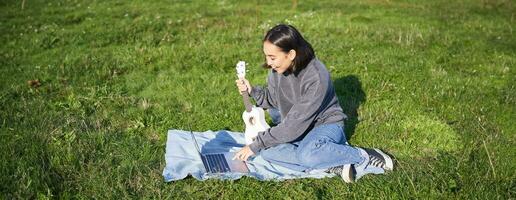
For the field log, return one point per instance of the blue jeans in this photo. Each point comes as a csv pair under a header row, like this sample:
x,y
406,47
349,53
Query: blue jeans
x,y
323,147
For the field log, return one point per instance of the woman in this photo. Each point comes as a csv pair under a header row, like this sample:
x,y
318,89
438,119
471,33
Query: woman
x,y
310,130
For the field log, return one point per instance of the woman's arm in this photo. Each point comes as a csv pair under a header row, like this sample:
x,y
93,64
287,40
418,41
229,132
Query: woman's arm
x,y
265,96
300,117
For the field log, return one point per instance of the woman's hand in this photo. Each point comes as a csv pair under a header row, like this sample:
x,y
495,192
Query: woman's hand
x,y
244,153
243,85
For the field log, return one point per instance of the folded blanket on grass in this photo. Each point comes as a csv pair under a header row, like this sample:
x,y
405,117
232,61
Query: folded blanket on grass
x,y
182,158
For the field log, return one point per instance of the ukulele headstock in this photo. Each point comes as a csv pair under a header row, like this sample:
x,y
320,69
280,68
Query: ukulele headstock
x,y
240,68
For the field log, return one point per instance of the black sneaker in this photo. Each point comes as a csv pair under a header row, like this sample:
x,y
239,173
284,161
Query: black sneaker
x,y
346,172
380,159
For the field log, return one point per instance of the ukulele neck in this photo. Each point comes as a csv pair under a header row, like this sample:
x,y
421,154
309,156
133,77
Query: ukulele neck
x,y
247,101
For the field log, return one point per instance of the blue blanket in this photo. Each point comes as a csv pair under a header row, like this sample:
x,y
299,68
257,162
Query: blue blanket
x,y
182,158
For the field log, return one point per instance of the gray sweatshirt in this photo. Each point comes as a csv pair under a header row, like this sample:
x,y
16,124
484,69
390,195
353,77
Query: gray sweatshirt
x,y
304,100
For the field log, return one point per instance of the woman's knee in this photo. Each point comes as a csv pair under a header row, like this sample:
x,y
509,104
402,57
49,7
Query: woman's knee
x,y
275,115
333,132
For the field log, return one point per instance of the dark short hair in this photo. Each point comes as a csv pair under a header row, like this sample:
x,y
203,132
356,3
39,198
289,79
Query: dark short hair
x,y
287,38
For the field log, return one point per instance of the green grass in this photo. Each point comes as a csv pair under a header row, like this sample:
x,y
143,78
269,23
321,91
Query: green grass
x,y
431,82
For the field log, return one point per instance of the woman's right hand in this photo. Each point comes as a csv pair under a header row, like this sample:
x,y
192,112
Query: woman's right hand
x,y
243,85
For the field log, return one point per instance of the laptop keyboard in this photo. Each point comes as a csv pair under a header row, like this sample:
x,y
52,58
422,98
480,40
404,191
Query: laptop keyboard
x,y
216,163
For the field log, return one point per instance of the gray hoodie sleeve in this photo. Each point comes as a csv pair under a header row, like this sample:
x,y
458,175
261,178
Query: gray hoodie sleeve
x,y
300,117
264,97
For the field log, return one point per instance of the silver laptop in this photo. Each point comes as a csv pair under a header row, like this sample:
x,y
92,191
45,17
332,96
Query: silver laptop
x,y
220,162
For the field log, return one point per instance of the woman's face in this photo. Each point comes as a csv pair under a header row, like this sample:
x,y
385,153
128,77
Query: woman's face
x,y
277,59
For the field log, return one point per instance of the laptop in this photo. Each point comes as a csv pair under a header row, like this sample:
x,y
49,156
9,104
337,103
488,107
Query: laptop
x,y
220,162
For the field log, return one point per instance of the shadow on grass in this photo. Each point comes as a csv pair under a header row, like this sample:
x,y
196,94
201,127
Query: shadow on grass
x,y
351,95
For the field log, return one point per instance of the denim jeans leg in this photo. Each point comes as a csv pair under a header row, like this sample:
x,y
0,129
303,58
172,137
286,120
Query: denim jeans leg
x,y
325,146
275,115
283,155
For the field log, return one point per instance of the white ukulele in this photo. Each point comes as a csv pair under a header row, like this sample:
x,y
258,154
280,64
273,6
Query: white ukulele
x,y
254,117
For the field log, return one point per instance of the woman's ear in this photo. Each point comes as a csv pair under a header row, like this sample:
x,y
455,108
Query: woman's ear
x,y
291,54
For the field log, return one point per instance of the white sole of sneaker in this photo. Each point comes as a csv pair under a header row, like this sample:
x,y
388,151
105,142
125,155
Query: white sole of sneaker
x,y
389,164
347,174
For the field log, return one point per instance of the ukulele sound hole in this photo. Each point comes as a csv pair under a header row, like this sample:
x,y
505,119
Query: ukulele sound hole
x,y
252,121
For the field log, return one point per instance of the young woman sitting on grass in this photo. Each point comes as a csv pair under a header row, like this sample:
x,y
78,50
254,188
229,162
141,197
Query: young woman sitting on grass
x,y
301,100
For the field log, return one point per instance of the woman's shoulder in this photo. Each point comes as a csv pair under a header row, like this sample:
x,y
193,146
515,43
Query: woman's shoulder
x,y
319,65
315,69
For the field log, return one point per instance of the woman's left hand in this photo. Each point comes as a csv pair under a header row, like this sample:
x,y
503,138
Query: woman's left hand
x,y
244,153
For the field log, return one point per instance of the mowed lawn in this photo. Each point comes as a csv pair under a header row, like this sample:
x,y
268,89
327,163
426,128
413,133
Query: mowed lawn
x,y
88,90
